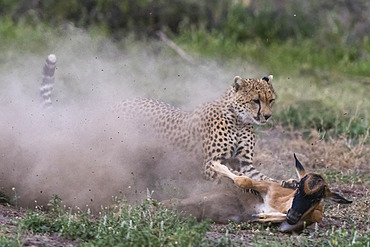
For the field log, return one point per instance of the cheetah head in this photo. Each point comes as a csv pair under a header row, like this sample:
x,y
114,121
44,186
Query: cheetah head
x,y
253,99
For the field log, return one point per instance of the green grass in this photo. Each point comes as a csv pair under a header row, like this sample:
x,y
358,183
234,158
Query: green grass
x,y
333,176
333,237
318,88
269,235
22,36
4,199
293,56
8,241
146,224
313,92
332,104
329,121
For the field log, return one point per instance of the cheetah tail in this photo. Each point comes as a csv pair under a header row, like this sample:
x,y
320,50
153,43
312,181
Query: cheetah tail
x,y
48,81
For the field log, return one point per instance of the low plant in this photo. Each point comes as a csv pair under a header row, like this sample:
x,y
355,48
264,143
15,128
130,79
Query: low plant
x,y
144,224
6,241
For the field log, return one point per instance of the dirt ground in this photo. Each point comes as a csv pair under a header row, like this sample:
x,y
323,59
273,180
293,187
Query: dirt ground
x,y
7,216
334,216
315,155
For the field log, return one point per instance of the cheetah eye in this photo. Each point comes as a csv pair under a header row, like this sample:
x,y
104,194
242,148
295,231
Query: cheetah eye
x,y
257,101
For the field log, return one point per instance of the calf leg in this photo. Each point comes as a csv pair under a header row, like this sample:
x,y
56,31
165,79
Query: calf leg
x,y
275,217
220,205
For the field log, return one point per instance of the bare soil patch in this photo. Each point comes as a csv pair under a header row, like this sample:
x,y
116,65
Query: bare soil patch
x,y
274,155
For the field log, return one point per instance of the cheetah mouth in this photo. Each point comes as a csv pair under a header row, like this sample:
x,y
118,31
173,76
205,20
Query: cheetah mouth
x,y
258,121
249,118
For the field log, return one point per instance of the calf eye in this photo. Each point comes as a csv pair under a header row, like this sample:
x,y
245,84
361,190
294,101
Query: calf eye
x,y
257,101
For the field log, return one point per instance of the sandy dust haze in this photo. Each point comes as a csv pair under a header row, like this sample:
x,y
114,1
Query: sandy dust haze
x,y
76,150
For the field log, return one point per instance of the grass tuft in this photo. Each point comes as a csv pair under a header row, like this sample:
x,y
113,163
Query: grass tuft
x,y
124,225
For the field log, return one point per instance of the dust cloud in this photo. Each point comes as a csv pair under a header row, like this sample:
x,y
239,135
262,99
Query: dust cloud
x,y
76,150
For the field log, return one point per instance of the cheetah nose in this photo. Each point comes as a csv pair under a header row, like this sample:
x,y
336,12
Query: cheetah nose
x,y
267,116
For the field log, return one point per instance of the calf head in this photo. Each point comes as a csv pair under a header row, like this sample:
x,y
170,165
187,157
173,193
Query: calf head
x,y
311,189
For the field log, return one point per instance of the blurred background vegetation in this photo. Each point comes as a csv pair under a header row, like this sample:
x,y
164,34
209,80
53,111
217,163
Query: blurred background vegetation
x,y
318,52
324,43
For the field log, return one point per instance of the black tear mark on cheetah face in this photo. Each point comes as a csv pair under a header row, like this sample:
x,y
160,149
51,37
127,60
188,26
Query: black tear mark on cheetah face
x,y
254,99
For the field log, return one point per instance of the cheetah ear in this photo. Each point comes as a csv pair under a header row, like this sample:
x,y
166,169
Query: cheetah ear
x,y
268,78
237,83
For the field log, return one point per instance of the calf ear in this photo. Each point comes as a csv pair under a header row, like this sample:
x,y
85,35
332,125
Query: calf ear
x,y
300,169
335,197
338,198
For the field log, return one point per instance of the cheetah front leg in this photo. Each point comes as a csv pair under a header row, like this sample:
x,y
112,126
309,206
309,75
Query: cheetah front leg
x,y
245,155
237,158
248,170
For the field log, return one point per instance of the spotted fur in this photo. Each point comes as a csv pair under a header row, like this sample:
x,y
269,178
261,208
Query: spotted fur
x,y
218,131
221,130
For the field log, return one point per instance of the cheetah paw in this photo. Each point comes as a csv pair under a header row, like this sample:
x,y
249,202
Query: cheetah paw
x,y
290,184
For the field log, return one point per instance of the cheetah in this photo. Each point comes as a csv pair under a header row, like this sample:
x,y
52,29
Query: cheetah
x,y
218,131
